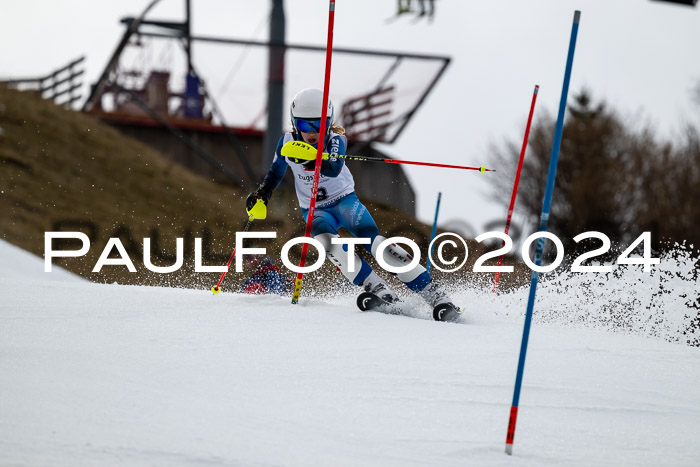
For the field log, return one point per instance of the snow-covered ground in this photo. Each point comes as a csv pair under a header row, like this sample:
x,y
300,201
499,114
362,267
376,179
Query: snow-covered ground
x,y
96,374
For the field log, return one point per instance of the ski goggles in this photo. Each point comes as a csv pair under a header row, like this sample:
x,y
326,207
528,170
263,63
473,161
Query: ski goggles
x,y
307,126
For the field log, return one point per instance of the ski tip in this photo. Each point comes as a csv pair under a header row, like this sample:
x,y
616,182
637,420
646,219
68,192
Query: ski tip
x,y
367,300
448,312
215,290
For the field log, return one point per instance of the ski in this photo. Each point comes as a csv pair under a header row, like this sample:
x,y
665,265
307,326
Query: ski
x,y
367,301
447,312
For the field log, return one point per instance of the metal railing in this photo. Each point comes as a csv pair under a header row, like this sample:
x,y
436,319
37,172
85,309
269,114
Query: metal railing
x,y
62,85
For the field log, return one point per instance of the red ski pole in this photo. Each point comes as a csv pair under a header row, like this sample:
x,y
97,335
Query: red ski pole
x,y
299,150
258,211
517,181
216,289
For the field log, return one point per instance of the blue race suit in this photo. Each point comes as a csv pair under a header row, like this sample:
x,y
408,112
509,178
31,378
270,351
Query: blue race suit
x,y
337,206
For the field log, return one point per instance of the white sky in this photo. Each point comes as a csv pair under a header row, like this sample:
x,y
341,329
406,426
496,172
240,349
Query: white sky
x,y
641,56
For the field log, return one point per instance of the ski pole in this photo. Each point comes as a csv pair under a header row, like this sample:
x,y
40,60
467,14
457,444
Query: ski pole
x,y
544,220
302,151
259,211
319,152
517,181
432,234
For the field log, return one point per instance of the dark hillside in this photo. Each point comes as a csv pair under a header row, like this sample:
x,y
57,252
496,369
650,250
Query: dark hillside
x,y
62,170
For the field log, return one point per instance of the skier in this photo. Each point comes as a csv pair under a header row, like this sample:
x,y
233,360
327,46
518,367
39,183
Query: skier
x,y
267,277
337,206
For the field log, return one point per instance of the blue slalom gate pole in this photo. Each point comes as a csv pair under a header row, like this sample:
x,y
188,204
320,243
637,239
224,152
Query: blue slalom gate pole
x,y
544,219
432,235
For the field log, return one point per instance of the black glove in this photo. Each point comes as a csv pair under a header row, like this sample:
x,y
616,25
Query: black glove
x,y
263,192
308,164
311,165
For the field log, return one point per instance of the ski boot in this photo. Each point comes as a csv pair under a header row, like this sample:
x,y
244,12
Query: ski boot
x,y
443,308
375,285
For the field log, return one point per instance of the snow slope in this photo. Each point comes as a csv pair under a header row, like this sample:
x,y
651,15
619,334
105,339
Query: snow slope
x,y
96,374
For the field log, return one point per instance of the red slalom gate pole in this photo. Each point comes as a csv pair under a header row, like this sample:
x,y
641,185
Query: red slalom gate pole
x,y
319,154
517,180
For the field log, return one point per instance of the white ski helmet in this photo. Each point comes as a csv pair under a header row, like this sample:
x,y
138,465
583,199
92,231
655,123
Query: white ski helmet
x,y
308,105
